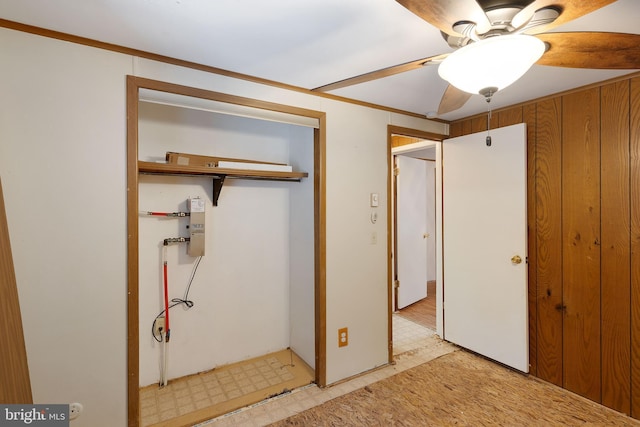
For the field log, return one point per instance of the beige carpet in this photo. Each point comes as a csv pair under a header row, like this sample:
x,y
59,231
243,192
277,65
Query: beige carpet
x,y
459,389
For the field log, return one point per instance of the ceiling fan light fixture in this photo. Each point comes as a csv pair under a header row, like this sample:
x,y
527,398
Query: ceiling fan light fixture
x,y
495,62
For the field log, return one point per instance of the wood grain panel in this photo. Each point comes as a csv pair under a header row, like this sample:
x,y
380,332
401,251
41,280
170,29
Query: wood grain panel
x,y
528,115
512,116
413,134
466,127
455,129
320,248
479,124
400,140
616,256
548,217
634,172
133,329
15,385
581,251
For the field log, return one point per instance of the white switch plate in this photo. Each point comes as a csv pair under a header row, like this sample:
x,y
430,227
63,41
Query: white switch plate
x,y
374,199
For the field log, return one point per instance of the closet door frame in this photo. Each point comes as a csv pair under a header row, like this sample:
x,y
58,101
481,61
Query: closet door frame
x,y
134,84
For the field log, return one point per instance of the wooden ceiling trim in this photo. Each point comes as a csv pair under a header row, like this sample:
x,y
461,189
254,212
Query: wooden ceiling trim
x,y
553,95
31,29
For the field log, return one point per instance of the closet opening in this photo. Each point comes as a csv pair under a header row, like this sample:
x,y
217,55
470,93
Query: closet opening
x,y
225,251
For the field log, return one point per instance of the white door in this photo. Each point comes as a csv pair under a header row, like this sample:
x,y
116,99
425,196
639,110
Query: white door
x,y
411,254
484,228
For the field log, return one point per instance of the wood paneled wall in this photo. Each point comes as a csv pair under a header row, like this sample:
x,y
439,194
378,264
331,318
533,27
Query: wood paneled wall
x,y
15,386
584,238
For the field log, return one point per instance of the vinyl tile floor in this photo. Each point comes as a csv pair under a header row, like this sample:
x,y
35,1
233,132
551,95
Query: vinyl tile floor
x,y
191,399
408,335
413,345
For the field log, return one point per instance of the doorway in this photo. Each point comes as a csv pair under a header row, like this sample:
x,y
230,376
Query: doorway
x,y
409,148
414,290
414,227
472,174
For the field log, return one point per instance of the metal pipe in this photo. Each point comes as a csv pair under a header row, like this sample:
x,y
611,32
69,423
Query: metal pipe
x,y
168,214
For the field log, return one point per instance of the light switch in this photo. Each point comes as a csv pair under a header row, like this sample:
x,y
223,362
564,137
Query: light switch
x,y
374,199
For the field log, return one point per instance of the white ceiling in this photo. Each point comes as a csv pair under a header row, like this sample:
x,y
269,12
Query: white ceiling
x,y
308,43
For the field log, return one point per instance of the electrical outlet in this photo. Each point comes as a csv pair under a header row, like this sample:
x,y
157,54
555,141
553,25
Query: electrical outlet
x,y
159,324
343,337
75,409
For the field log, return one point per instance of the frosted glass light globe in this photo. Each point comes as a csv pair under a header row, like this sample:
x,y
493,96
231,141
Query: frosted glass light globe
x,y
495,62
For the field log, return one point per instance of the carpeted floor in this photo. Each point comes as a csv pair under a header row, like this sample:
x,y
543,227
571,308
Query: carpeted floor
x,y
459,389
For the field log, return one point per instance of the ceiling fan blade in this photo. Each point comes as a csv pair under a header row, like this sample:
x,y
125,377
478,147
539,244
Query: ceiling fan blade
x,y
612,51
442,14
378,74
452,99
570,10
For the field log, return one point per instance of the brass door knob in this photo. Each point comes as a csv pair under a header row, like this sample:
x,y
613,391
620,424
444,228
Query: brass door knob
x,y
516,259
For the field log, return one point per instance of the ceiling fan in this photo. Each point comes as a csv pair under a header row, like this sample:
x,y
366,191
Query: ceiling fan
x,y
470,25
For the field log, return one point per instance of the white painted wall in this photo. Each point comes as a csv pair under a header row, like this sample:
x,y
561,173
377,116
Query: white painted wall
x,y
62,161
301,249
63,167
356,269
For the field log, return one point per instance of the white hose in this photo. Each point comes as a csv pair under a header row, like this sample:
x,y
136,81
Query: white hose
x,y
165,346
162,363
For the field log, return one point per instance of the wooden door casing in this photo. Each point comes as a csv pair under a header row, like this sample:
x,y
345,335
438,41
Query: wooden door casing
x,y
15,386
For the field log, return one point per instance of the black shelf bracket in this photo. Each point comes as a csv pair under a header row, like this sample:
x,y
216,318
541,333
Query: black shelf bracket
x,y
218,182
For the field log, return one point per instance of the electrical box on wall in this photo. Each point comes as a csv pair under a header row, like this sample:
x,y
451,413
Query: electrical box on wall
x,y
196,227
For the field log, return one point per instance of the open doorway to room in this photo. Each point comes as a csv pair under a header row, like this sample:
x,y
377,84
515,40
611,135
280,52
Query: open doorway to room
x,y
413,285
414,235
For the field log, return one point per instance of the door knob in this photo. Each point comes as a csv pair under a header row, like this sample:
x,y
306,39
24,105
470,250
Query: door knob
x,y
516,259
